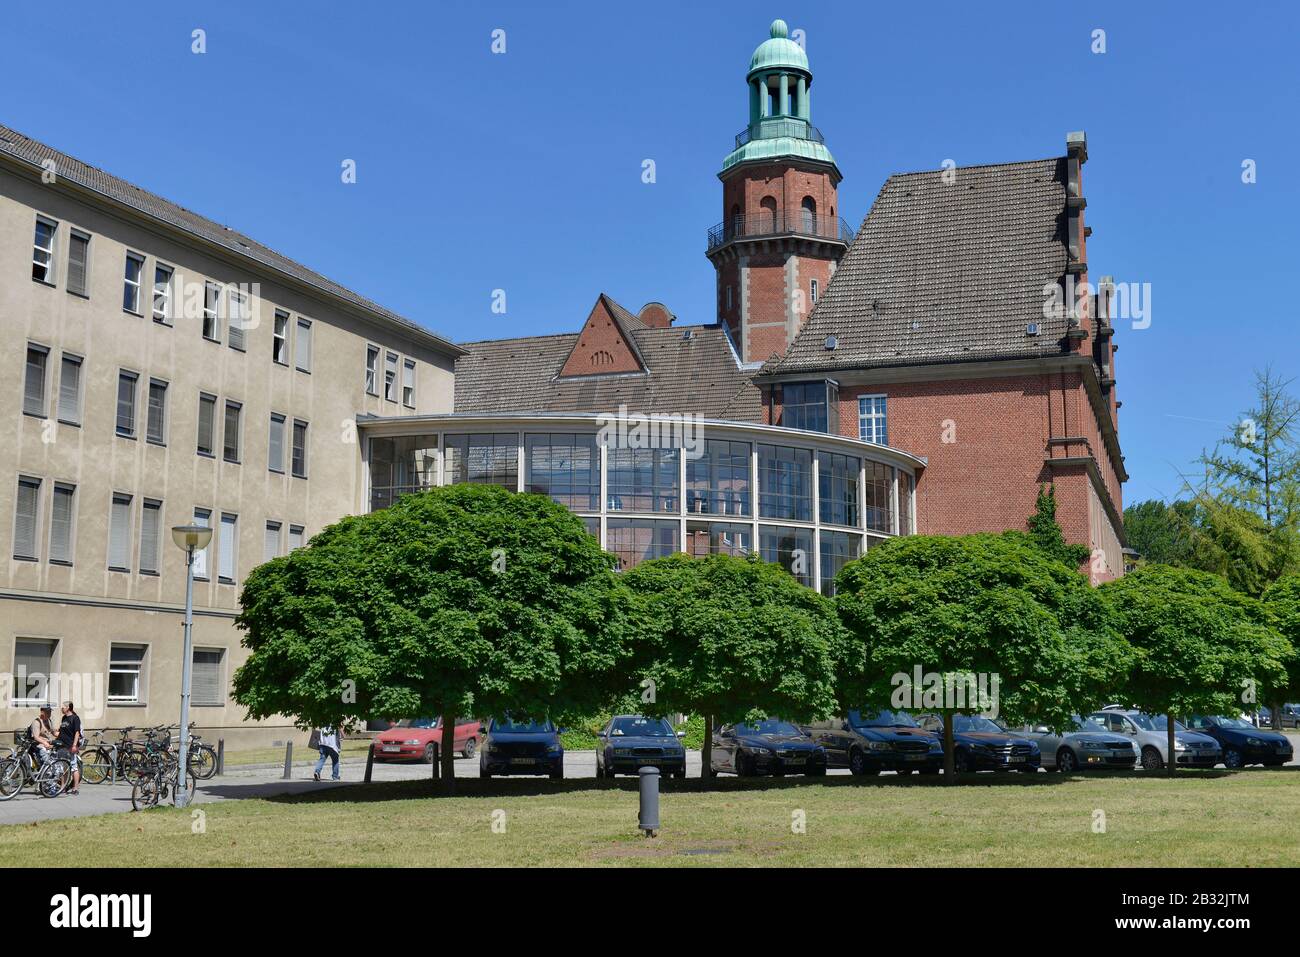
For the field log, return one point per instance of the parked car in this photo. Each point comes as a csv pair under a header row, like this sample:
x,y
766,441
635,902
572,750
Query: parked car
x,y
1082,745
419,739
874,741
521,746
1150,734
629,742
770,746
1242,742
980,745
1288,716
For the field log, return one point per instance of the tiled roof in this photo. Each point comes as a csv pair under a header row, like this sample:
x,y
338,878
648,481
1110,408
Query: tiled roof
x,y
944,273
696,375
30,151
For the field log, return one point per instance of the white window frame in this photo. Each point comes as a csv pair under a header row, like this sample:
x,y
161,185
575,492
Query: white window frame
x,y
372,368
280,338
390,376
873,424
239,430
39,483
237,316
151,505
84,291
408,391
228,552
293,444
79,361
163,292
812,291
203,517
18,701
135,404
148,413
71,547
273,464
302,355
136,668
212,310
45,353
128,501
130,285
46,256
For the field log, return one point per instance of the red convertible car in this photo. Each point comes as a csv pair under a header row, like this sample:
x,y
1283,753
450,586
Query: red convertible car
x,y
417,739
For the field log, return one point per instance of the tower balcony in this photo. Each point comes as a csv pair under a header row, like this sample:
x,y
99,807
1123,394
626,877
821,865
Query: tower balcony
x,y
796,224
771,127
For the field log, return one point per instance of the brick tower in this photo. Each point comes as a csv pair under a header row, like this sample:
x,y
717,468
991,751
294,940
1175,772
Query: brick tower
x,y
781,235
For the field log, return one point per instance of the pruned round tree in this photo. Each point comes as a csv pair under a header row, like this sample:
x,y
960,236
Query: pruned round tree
x,y
1200,646
462,600
731,638
978,618
1282,602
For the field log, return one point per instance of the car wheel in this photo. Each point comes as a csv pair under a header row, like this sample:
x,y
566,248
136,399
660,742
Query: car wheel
x,y
471,748
1151,760
1233,759
558,773
430,753
960,763
817,772
857,762
905,770
744,766
1274,763
1066,762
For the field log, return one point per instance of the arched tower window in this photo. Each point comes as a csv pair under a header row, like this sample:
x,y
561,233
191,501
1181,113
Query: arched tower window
x,y
767,214
809,215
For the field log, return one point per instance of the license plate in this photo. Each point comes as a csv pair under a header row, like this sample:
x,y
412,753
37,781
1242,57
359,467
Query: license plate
x,y
796,760
392,747
645,761
523,760
914,757
1016,759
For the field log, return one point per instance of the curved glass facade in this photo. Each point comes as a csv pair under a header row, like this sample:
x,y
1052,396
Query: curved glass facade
x,y
808,500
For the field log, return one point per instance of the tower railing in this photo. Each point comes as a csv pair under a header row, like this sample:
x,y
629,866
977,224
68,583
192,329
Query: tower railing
x,y
797,223
771,127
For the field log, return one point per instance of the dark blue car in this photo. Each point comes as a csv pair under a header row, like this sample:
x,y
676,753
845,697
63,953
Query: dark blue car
x,y
1242,742
980,745
522,746
630,742
868,742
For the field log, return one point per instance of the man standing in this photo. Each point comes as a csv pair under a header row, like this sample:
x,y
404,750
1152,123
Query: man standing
x,y
42,733
328,741
69,740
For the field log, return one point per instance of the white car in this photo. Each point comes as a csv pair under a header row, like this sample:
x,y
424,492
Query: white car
x,y
1084,745
1151,736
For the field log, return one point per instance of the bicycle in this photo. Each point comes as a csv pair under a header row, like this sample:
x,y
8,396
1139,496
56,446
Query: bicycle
x,y
202,757
49,778
159,781
97,759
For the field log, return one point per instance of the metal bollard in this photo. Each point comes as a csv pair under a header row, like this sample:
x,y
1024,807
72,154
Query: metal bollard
x,y
221,756
370,760
648,819
288,760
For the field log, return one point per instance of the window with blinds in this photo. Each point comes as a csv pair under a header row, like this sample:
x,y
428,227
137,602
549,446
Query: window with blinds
x,y
119,534
70,390
34,380
408,383
29,496
230,433
275,445
78,263
295,537
156,426
162,293
207,423
302,346
207,686
226,549
126,404
33,664
150,536
203,518
299,449
61,523
272,549
237,320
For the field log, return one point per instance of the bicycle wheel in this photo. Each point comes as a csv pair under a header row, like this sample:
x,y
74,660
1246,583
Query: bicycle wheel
x,y
190,781
54,778
95,765
144,792
11,778
135,767
203,762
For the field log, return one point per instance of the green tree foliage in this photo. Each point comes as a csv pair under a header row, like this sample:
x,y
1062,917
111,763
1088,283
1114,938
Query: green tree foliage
x,y
1282,602
1045,531
982,605
731,638
460,600
1200,646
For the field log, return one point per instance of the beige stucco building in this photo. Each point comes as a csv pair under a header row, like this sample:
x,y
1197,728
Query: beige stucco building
x,y
160,369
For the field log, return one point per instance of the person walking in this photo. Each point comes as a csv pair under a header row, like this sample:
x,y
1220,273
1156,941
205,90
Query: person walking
x,y
328,741
69,740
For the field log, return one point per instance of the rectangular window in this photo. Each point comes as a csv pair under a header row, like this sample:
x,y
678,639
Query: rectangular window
x,y
162,293
70,389
212,311
156,426
642,480
299,449
78,263
207,423
280,338
837,485
34,381
131,283
718,482
61,519
567,468
272,549
489,458
728,298
275,447
126,674
408,383
401,465
372,370
126,383
150,536
295,537
789,547
226,557
202,517
872,424
302,346
784,483
33,664
637,540
837,550
43,250
804,406
237,320
25,521
880,497
119,534
904,503
230,433
207,687
390,376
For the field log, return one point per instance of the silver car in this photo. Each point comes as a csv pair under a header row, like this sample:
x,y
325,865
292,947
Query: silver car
x,y
1151,736
1083,745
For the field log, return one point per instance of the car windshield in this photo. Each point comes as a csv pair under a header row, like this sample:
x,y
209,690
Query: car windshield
x,y
974,722
767,726
642,727
509,725
1079,723
419,723
1224,722
882,719
1159,722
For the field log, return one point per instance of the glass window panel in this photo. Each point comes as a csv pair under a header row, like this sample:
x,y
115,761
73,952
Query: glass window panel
x,y
642,480
785,483
880,497
61,524
78,262
34,383
837,550
803,406
637,540
837,481
565,467
150,535
719,538
203,517
119,534
29,494
791,548
401,465
718,482
70,390
33,663
872,422
904,503
485,458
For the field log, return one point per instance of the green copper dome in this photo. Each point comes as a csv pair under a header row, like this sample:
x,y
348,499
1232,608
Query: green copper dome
x,y
779,52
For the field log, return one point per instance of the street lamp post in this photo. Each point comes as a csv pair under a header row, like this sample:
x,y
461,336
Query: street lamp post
x,y
189,538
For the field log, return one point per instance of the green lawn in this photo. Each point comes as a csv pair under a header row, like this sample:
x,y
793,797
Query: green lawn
x,y
1200,819
356,748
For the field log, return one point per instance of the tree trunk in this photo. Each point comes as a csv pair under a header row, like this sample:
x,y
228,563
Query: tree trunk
x,y
706,752
1172,763
447,752
949,759
1275,712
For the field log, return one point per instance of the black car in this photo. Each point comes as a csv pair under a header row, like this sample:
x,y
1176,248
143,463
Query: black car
x,y
522,746
630,742
980,745
1242,742
770,746
874,741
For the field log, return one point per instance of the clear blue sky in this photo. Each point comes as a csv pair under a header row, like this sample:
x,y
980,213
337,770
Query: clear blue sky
x,y
522,171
